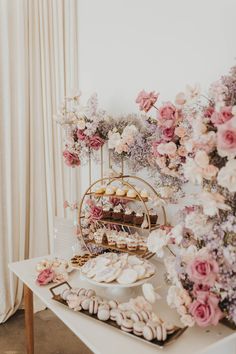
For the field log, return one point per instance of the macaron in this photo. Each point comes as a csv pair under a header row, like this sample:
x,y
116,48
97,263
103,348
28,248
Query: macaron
x,y
149,332
93,306
120,317
103,314
138,328
127,325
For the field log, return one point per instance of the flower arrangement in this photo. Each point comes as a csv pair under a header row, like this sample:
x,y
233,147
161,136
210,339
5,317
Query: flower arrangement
x,y
85,128
49,271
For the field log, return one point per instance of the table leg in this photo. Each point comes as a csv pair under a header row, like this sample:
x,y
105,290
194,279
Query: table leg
x,y
29,322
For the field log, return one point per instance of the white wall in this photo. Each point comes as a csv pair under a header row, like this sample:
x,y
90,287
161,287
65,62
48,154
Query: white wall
x,y
128,45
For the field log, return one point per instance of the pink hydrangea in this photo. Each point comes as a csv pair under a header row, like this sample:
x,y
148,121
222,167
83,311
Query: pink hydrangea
x,y
71,159
205,309
146,100
95,142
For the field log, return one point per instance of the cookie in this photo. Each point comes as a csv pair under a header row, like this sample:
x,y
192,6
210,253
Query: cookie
x,y
127,276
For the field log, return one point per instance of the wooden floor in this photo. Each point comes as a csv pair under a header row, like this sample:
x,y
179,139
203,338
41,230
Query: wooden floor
x,y
51,336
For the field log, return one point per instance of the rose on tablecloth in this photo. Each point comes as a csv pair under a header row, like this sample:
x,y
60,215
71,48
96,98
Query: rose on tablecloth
x,y
45,276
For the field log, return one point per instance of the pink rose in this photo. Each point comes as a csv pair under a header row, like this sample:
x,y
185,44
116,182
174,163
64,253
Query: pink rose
x,y
45,276
81,135
95,142
146,100
167,111
223,116
168,133
71,160
182,151
205,309
203,270
95,212
226,138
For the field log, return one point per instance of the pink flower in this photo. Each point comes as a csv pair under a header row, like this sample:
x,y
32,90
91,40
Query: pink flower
x,y
71,160
197,288
203,270
226,138
180,132
146,100
66,204
45,276
95,142
223,116
81,135
95,212
167,111
205,309
168,133
208,112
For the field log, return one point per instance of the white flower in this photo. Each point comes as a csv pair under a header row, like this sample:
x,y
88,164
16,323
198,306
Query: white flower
x,y
211,203
187,320
188,254
227,176
149,293
170,266
192,93
156,241
192,171
198,223
114,139
81,123
177,233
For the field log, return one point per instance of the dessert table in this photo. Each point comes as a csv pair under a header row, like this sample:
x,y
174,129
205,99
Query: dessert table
x,y
103,339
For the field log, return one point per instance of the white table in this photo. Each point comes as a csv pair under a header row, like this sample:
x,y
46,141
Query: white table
x,y
101,338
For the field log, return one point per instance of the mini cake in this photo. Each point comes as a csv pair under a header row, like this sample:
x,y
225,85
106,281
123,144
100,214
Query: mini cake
x,y
117,213
109,190
142,245
144,194
132,244
121,242
120,192
111,238
98,236
153,216
107,212
138,218
128,215
100,190
131,193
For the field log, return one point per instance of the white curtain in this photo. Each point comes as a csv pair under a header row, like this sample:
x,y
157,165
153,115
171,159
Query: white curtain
x,y
38,66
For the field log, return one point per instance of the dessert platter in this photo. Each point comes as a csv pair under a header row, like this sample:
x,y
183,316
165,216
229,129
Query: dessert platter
x,y
117,213
134,318
117,270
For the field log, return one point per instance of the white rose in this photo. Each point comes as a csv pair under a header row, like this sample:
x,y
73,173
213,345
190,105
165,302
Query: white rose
x,y
202,159
227,176
156,241
114,140
192,171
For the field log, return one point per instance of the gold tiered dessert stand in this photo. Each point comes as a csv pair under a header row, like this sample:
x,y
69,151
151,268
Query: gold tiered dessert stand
x,y
125,181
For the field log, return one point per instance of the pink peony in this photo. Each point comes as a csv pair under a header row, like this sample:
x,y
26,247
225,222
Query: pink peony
x,y
95,212
168,133
71,160
226,138
45,276
81,135
95,142
203,270
223,116
167,111
146,100
205,309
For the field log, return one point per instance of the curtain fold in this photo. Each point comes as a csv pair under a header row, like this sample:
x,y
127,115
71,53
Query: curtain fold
x,y
38,66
